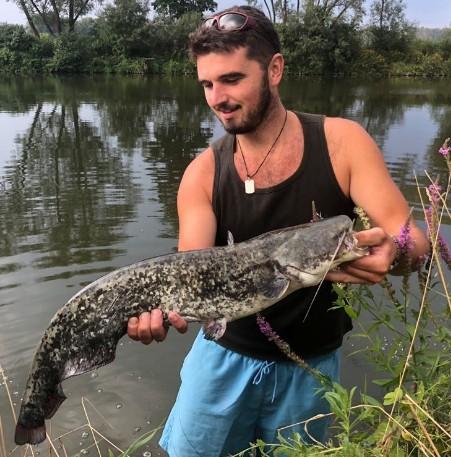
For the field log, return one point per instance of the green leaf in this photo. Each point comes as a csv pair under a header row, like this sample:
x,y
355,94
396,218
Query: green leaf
x,y
370,400
393,397
351,312
382,382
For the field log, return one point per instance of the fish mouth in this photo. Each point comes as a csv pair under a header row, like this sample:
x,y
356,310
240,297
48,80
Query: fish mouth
x,y
348,248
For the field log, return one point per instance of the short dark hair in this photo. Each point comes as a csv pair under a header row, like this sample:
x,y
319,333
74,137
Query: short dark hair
x,y
261,41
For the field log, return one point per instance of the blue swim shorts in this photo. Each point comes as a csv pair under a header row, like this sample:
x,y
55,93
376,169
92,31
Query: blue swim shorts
x,y
227,400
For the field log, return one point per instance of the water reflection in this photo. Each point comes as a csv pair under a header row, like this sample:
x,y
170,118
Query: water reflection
x,y
66,189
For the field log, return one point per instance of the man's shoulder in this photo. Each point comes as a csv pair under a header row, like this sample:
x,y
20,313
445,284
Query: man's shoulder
x,y
346,138
202,163
341,126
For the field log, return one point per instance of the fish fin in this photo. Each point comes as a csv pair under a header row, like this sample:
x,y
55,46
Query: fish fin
x,y
54,402
272,284
230,240
274,289
25,435
97,354
215,328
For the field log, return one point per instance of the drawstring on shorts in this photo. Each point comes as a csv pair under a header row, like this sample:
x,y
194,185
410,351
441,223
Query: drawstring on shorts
x,y
265,369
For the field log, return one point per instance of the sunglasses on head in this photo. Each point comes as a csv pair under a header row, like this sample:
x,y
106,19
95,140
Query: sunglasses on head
x,y
231,21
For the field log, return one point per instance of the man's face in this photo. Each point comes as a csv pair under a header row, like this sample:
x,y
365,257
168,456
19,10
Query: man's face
x,y
236,89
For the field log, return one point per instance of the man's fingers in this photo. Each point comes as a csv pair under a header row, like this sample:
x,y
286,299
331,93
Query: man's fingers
x,y
132,328
144,330
150,326
339,276
156,325
178,322
371,237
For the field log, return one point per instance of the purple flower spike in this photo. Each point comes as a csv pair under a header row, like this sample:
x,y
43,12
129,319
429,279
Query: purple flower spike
x,y
405,241
435,190
444,250
444,151
265,328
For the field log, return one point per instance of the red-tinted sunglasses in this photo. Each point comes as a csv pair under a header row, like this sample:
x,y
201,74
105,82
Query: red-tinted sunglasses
x,y
230,21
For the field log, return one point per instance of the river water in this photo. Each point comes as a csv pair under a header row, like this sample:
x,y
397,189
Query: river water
x,y
89,170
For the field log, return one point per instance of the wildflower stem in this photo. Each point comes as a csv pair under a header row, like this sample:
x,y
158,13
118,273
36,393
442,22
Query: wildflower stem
x,y
409,353
440,196
2,440
408,397
434,239
423,429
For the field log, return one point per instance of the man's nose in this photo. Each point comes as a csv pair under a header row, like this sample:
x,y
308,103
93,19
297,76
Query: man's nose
x,y
217,96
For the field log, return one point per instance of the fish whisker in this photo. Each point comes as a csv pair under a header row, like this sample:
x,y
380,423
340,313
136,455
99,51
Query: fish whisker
x,y
334,256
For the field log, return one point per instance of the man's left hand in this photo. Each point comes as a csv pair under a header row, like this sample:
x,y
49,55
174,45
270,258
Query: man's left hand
x,y
371,268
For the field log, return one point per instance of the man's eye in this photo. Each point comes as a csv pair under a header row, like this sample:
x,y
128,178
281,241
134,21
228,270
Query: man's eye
x,y
232,80
206,84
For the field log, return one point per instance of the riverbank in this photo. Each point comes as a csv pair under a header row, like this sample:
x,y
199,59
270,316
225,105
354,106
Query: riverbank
x,y
162,51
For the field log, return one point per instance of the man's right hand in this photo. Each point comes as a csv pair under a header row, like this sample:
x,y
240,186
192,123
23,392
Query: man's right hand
x,y
149,326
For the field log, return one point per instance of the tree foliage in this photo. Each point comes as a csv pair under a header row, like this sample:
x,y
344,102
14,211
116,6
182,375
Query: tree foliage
x,y
57,16
319,37
311,47
334,11
174,9
390,32
124,28
282,11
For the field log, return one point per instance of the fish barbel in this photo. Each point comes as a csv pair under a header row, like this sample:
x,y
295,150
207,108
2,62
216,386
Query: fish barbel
x,y
214,285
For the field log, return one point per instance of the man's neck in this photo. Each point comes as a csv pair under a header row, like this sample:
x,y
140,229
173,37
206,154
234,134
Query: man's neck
x,y
263,136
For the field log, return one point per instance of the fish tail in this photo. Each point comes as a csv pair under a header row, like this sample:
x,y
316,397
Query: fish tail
x,y
32,435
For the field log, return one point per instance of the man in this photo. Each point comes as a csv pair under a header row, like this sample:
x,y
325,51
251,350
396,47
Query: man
x,y
264,174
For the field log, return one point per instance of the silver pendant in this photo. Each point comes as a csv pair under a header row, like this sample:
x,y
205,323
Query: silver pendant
x,y
249,186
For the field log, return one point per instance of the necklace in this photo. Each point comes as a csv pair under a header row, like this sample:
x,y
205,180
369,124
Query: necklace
x,y
249,184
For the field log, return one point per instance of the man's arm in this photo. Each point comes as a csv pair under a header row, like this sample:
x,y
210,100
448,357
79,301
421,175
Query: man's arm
x,y
197,222
197,230
362,171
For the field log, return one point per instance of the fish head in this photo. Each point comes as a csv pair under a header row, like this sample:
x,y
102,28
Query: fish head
x,y
309,251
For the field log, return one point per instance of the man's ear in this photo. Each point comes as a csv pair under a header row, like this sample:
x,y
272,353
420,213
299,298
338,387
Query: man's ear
x,y
275,69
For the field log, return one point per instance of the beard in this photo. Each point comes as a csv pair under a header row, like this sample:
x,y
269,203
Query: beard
x,y
255,117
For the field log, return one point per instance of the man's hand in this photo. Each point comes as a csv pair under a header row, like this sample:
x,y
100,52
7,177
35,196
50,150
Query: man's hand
x,y
150,326
371,268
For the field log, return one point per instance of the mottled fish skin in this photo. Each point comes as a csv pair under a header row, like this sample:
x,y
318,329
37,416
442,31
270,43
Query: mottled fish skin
x,y
215,285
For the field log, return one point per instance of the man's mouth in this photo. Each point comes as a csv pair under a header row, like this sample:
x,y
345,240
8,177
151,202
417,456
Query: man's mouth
x,y
227,112
227,109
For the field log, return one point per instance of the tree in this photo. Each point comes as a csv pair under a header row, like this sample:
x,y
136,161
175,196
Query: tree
x,y
123,25
324,10
388,14
334,11
390,31
58,16
175,9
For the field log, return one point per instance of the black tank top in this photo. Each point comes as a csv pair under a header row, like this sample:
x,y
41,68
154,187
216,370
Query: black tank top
x,y
285,204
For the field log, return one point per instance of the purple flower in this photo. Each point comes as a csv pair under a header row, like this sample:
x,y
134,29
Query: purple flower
x,y
441,243
435,189
444,151
267,330
404,238
444,250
